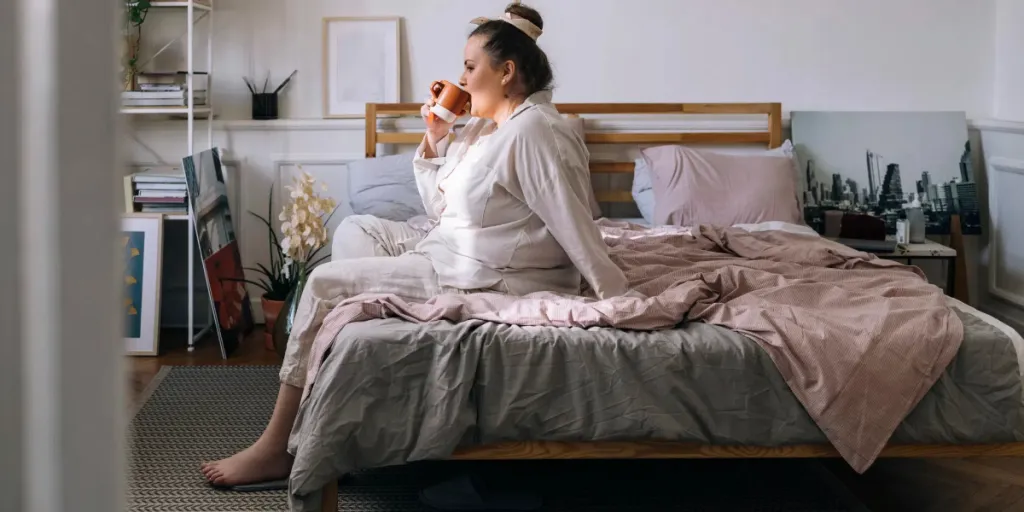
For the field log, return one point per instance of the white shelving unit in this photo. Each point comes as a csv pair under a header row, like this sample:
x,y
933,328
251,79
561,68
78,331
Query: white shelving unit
x,y
205,10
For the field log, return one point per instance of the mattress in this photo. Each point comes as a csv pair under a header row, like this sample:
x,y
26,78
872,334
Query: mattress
x,y
395,392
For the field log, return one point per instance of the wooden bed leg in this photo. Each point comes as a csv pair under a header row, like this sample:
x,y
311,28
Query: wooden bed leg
x,y
329,497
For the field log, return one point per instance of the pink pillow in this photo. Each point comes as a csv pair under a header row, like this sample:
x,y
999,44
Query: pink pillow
x,y
694,187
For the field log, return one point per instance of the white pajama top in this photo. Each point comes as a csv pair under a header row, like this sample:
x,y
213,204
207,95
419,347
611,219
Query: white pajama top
x,y
511,207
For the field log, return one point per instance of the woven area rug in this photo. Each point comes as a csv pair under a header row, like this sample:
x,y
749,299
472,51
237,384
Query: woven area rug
x,y
191,414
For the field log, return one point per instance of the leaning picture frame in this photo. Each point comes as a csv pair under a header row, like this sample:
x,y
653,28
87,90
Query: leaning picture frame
x,y
212,222
141,245
361,64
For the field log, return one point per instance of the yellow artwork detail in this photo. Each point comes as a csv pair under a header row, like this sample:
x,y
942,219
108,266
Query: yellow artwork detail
x,y
133,252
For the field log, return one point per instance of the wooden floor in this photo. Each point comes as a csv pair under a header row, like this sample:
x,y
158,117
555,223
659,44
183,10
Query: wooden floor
x,y
174,352
905,485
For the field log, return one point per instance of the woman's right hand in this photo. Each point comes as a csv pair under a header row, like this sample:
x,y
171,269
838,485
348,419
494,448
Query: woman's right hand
x,y
437,128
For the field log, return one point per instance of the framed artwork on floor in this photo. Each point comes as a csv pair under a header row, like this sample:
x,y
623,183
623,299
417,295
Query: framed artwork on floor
x,y
877,163
218,248
361,64
141,245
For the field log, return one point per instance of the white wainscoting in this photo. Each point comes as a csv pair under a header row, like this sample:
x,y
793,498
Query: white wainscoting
x,y
1006,260
328,169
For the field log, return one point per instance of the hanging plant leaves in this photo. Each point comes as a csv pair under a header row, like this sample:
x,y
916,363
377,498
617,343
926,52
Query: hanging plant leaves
x,y
137,11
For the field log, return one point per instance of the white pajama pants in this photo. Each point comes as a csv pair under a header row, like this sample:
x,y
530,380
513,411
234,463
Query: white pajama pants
x,y
369,255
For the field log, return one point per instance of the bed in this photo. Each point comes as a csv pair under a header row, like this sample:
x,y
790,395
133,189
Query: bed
x,y
393,391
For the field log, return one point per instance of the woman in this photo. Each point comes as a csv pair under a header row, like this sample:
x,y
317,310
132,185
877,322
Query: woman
x,y
509,210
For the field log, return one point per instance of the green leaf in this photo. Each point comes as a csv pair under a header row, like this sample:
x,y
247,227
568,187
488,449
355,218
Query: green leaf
x,y
328,219
270,228
245,281
261,271
275,248
269,274
317,262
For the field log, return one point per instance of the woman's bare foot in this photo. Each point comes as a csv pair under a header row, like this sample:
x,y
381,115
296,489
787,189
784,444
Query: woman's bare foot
x,y
268,458
255,464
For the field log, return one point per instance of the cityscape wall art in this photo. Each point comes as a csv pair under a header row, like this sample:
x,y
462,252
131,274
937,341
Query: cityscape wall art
x,y
878,163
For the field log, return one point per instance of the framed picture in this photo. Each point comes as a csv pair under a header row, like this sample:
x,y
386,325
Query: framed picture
x,y
218,248
141,251
362,64
877,163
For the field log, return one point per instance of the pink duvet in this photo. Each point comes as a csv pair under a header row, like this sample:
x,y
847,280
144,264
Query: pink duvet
x,y
858,339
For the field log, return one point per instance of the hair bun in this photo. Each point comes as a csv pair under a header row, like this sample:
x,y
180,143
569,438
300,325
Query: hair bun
x,y
527,13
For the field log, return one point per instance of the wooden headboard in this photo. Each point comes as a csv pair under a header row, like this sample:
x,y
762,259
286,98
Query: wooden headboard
x,y
772,136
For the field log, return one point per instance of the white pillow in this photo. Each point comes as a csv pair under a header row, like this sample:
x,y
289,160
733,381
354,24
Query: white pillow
x,y
384,187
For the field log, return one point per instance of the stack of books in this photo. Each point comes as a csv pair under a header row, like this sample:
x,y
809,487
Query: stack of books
x,y
156,190
165,90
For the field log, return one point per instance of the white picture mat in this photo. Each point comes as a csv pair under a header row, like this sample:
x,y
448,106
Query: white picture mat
x,y
361,65
152,226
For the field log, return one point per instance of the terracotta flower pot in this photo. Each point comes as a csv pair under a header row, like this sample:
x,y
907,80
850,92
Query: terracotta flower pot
x,y
271,310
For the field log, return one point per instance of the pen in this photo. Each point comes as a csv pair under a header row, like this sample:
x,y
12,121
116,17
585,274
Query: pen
x,y
286,80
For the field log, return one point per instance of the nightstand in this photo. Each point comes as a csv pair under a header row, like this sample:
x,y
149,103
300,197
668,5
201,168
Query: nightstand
x,y
928,250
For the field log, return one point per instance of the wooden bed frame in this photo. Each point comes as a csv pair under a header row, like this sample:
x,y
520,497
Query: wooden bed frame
x,y
771,136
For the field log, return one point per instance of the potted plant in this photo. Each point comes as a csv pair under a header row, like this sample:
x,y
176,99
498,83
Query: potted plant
x,y
304,228
135,15
304,233
284,273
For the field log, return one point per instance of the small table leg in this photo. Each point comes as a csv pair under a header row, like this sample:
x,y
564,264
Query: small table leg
x,y
329,497
950,276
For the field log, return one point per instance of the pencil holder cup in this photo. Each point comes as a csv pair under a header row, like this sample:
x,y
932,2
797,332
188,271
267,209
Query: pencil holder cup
x,y
264,106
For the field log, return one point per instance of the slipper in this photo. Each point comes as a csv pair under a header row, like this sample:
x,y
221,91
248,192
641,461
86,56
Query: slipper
x,y
465,493
272,485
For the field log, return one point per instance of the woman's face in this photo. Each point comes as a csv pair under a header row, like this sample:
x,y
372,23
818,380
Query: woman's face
x,y
482,79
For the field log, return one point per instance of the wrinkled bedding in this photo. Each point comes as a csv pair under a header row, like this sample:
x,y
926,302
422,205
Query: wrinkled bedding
x,y
785,338
397,391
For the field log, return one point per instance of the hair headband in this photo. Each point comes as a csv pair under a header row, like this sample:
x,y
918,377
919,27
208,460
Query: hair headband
x,y
525,25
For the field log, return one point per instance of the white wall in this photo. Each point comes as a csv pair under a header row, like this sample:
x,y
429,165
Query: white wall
x,y
1002,261
1009,77
808,54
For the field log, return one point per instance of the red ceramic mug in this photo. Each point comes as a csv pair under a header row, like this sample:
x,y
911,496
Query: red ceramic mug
x,y
452,100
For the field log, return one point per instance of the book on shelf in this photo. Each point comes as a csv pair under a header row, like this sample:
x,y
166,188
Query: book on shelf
x,y
173,81
178,94
198,101
157,189
171,95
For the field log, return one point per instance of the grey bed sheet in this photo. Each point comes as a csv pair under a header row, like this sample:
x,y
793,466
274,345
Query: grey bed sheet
x,y
393,392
